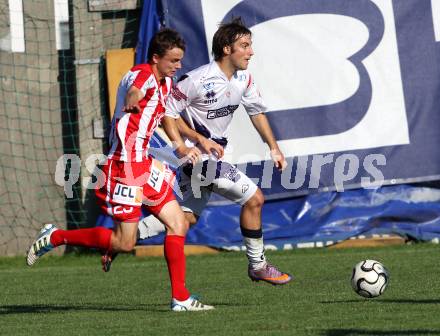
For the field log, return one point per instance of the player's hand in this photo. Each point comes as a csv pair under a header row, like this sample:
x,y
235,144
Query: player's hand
x,y
131,108
192,154
278,159
211,147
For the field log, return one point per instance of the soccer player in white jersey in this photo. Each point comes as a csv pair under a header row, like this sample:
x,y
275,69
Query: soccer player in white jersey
x,y
133,178
205,99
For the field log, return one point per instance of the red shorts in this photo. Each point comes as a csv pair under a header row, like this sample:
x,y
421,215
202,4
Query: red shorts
x,y
127,186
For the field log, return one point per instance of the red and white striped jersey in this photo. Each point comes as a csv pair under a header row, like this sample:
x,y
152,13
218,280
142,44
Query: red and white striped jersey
x,y
131,132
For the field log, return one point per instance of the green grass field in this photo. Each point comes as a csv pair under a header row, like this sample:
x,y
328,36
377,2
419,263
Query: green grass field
x,y
72,296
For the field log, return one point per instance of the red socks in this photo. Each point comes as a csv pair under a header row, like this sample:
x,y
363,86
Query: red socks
x,y
97,237
175,257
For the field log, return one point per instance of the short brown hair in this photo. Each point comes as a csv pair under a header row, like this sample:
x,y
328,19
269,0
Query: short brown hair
x,y
164,40
226,35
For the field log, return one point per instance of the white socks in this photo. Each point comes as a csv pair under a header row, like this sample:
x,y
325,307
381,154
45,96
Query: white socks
x,y
150,226
255,252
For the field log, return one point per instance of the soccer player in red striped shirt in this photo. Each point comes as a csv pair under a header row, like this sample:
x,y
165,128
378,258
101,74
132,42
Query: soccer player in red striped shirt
x,y
132,178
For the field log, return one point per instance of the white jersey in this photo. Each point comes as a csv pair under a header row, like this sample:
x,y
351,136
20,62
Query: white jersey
x,y
207,100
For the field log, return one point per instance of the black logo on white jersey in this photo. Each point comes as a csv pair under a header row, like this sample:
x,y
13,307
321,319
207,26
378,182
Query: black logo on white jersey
x,y
210,97
221,112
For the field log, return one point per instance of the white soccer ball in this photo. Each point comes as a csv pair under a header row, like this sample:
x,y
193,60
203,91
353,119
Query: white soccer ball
x,y
370,278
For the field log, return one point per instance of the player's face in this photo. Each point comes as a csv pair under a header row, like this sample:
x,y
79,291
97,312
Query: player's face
x,y
168,65
241,52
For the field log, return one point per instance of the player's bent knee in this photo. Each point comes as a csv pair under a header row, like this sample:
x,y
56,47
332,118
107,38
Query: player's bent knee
x,y
127,246
178,225
256,201
124,245
174,219
182,225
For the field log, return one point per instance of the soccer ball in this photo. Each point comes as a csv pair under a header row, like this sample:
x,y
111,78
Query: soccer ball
x,y
369,279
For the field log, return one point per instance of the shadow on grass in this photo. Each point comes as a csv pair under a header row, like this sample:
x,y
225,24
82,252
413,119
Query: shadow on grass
x,y
52,308
365,332
418,301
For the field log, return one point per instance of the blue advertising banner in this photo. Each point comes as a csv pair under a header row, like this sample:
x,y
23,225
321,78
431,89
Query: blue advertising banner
x,y
322,219
353,88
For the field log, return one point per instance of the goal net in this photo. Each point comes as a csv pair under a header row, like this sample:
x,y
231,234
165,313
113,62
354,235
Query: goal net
x,y
54,109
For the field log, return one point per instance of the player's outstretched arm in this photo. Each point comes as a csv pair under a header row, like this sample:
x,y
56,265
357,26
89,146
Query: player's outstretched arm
x,y
132,98
182,151
208,146
263,128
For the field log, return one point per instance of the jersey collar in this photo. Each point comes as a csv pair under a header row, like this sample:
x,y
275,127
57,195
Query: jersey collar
x,y
220,72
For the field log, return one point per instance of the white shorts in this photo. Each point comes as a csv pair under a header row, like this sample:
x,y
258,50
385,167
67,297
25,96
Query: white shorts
x,y
197,183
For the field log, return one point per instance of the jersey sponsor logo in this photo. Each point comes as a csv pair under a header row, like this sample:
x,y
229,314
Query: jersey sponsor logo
x,y
210,94
157,175
221,112
129,195
208,86
210,97
177,94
